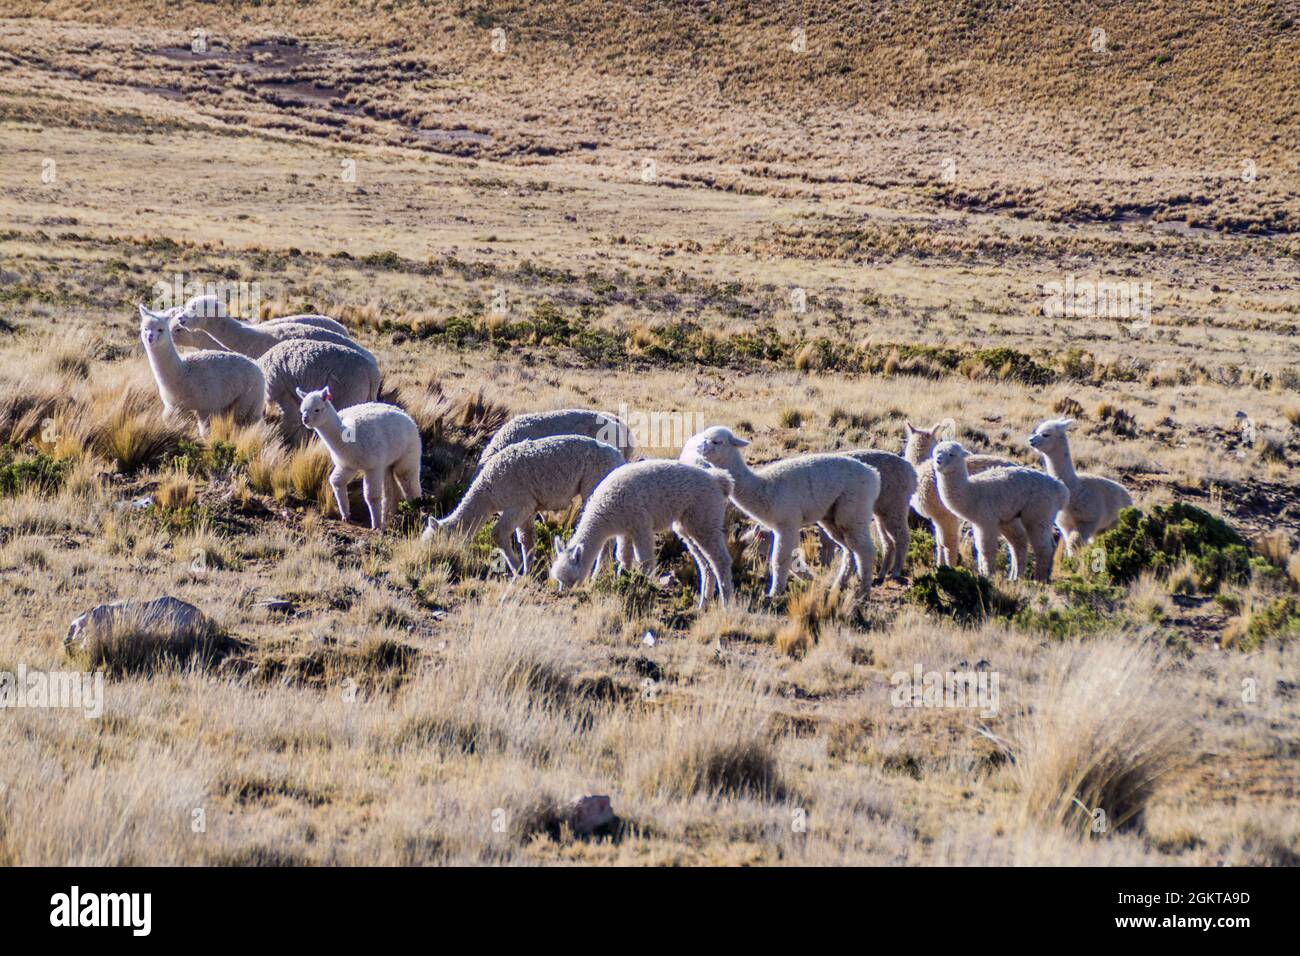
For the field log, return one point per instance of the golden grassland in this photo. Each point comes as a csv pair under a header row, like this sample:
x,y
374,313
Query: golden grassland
x,y
416,706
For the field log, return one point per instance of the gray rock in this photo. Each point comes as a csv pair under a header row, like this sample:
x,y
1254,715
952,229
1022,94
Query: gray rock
x,y
167,615
588,814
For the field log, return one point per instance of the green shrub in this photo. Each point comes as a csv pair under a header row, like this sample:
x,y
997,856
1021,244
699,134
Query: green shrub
x,y
37,471
1164,538
959,594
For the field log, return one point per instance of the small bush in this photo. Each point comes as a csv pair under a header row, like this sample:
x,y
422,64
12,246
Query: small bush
x,y
1164,538
38,472
959,594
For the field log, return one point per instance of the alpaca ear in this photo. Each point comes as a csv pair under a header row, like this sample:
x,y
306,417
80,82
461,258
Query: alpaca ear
x,y
299,392
144,313
329,396
1066,422
908,428
576,553
738,442
557,544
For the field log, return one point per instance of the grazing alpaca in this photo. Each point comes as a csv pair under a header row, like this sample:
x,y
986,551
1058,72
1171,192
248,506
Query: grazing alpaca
x,y
635,501
1019,504
568,421
835,492
381,442
945,525
545,474
205,383
1095,502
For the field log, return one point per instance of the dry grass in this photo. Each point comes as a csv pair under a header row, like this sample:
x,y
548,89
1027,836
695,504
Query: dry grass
x,y
387,701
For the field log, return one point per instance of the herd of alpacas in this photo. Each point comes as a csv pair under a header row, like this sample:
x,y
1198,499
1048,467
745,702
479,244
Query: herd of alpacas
x,y
324,382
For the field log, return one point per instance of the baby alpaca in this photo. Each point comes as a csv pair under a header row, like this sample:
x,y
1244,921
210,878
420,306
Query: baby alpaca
x,y
926,501
1095,502
569,421
529,476
206,383
351,374
835,492
1019,503
635,501
380,441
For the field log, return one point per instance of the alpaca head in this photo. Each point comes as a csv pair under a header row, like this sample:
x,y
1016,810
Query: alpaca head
x,y
566,569
314,404
921,441
1049,437
949,458
154,327
715,446
196,313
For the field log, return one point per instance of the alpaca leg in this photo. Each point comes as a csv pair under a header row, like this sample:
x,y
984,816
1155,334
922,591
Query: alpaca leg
x,y
203,426
902,536
826,546
889,545
713,545
1018,540
339,479
864,558
643,551
784,541
949,531
986,549
701,566
837,538
1044,545
526,535
372,485
622,553
503,536
407,473
391,497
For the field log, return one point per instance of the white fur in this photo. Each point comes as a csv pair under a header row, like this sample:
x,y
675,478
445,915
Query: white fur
x,y
635,501
567,421
835,492
351,373
1095,502
1018,503
945,525
543,474
381,442
205,383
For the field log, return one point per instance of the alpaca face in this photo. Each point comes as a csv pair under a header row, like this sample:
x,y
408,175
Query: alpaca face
x,y
949,457
1049,437
195,313
313,405
714,446
153,327
921,441
566,568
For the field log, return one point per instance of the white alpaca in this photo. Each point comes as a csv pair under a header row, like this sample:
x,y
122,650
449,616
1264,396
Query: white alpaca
x,y
568,421
211,305
351,374
1095,502
381,442
205,383
926,500
1018,503
635,501
210,318
835,492
545,474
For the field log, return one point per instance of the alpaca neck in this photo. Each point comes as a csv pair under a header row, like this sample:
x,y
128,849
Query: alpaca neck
x,y
954,485
751,491
330,429
237,336
1061,466
165,362
592,533
472,510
